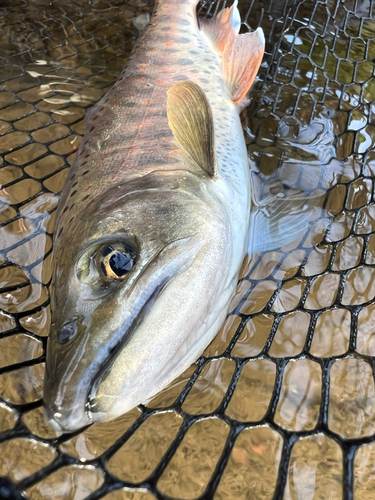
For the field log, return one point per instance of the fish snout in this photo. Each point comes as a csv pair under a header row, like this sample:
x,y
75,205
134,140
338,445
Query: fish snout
x,y
68,422
65,403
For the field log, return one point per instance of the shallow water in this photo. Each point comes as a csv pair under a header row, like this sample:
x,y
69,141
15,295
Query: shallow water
x,y
281,405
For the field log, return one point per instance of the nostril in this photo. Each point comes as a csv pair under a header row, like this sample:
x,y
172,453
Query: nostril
x,y
67,332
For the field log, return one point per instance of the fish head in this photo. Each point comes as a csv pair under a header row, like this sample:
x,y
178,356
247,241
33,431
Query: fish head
x,y
131,282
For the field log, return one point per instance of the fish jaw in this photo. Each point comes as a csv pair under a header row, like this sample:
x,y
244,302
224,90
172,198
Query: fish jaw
x,y
184,256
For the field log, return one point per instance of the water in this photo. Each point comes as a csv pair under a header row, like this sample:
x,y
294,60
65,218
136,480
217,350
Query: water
x,y
280,406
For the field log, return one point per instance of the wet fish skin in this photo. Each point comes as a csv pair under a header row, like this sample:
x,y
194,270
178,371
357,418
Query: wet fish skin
x,y
134,185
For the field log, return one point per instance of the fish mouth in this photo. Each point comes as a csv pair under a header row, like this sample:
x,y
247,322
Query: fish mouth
x,y
81,415
115,350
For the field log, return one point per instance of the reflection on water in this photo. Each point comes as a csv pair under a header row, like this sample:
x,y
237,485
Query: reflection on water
x,y
290,374
254,457
70,481
315,466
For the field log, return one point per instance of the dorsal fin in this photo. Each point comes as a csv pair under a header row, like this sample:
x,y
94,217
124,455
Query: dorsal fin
x,y
241,62
190,119
222,27
241,54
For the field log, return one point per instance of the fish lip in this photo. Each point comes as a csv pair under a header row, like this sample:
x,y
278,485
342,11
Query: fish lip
x,y
115,351
81,416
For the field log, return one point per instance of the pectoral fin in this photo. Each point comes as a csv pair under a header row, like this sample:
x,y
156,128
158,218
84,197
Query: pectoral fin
x,y
278,219
190,119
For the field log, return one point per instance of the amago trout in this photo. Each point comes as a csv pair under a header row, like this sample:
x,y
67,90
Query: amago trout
x,y
153,221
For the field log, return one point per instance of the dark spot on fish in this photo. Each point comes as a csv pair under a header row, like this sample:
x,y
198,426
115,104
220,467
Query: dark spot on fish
x,y
74,192
87,155
65,209
140,76
71,206
74,184
184,62
85,172
67,332
95,117
182,40
71,220
193,52
183,21
72,176
92,128
204,80
85,198
59,233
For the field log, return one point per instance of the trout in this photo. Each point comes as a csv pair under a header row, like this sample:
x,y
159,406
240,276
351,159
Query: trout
x,y
153,221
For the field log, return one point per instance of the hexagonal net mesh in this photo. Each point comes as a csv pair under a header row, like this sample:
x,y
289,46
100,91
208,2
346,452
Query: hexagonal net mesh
x,y
281,404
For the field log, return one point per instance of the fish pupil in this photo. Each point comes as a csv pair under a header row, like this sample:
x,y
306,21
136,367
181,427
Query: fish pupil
x,y
107,250
121,263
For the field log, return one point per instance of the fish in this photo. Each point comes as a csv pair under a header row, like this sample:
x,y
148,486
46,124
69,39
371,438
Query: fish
x,y
153,222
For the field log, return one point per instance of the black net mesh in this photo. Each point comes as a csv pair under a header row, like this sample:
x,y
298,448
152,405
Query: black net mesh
x,y
282,403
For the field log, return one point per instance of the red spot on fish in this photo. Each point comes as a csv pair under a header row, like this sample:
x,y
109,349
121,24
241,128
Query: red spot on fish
x,y
169,44
164,69
146,102
159,81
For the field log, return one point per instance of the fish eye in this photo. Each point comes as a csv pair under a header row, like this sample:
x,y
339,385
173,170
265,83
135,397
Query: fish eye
x,y
116,261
